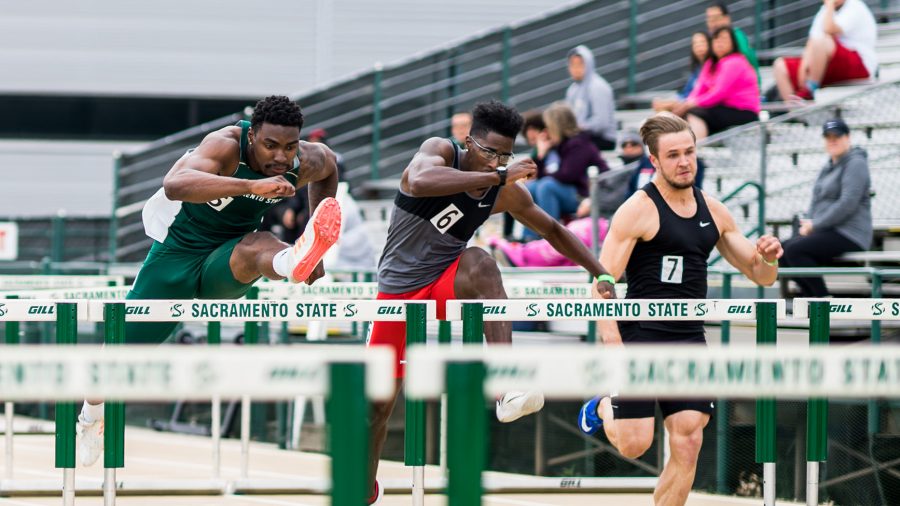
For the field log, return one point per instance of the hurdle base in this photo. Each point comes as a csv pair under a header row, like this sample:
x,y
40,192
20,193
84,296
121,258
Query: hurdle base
x,y
94,487
502,484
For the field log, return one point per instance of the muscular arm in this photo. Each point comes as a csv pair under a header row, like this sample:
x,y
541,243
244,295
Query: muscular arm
x,y
429,173
740,252
203,175
631,222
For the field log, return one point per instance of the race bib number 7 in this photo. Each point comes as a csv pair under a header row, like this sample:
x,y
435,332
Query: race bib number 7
x,y
672,269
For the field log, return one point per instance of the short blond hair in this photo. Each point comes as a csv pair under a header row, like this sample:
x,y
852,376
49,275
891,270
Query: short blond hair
x,y
661,124
560,121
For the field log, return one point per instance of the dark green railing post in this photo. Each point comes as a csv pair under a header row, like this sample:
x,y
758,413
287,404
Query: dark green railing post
x,y
504,64
11,330
114,217
348,434
758,25
723,443
57,238
473,322
376,121
817,408
766,328
632,45
114,411
414,447
466,434
66,416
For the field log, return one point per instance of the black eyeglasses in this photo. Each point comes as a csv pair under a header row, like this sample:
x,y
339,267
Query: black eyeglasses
x,y
491,155
630,143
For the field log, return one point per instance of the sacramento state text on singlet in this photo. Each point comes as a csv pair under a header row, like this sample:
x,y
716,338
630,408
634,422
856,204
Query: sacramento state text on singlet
x,y
208,225
673,264
427,234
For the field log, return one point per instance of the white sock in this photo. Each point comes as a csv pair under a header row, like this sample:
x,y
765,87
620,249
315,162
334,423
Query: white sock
x,y
281,262
92,412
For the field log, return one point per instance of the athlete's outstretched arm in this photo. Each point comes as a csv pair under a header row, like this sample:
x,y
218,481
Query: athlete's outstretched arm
x,y
200,176
753,260
630,223
518,202
429,173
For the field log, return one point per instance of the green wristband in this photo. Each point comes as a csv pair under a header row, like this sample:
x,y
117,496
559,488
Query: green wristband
x,y
607,278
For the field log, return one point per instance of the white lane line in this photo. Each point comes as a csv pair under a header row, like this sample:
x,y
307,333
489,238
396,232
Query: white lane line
x,y
260,500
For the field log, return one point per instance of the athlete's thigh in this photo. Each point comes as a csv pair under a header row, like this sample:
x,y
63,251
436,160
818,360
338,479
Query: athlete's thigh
x,y
217,280
166,274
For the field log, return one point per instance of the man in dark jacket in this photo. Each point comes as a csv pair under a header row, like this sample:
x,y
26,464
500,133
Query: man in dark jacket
x,y
840,214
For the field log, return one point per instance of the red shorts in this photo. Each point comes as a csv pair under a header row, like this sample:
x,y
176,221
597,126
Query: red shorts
x,y
393,334
845,65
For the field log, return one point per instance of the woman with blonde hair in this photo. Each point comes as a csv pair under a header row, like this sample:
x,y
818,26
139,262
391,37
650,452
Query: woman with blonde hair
x,y
565,180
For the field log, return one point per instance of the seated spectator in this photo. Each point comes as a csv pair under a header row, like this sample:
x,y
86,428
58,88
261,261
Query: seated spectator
x,y
565,182
699,55
540,253
840,214
726,93
841,47
591,99
717,17
460,124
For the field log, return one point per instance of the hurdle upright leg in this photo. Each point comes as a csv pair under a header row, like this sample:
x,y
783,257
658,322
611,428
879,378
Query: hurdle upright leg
x,y
66,412
817,410
113,412
11,338
348,434
467,432
414,447
766,326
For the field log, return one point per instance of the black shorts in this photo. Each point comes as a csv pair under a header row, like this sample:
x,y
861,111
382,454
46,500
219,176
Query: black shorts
x,y
720,118
636,332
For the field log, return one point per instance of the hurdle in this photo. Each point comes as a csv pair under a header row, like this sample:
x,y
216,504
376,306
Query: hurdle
x,y
115,314
348,376
415,313
468,375
597,309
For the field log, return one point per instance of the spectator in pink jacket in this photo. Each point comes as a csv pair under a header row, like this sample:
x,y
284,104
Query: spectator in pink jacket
x,y
726,94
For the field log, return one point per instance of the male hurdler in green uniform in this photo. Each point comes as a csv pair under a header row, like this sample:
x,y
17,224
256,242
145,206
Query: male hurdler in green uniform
x,y
203,224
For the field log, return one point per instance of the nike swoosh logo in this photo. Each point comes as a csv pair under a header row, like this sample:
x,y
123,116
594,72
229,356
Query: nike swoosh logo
x,y
704,224
584,426
485,205
507,398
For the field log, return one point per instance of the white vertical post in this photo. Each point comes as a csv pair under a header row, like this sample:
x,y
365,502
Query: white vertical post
x,y
769,483
418,488
8,436
443,436
245,436
812,483
68,487
215,431
109,487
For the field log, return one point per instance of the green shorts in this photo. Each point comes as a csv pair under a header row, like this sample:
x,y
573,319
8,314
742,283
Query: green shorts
x,y
171,273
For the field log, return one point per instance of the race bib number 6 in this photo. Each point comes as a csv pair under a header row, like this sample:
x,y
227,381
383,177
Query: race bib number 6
x,y
672,269
446,218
